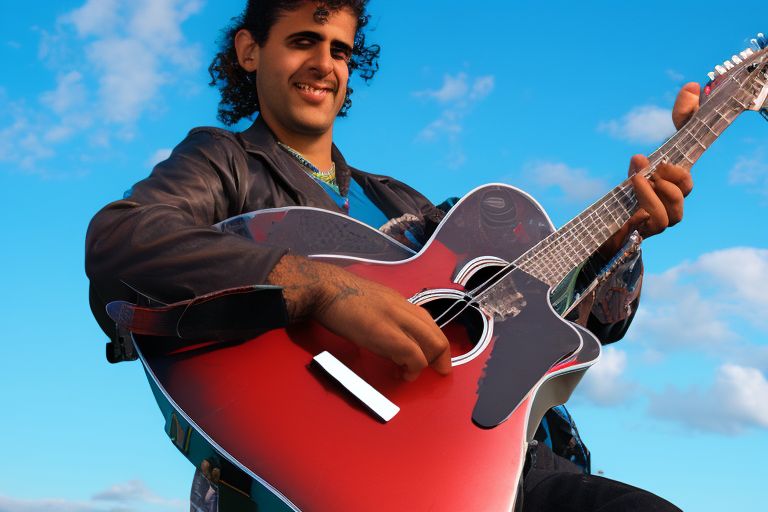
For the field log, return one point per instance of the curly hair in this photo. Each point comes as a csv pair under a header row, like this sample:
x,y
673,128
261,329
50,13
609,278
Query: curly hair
x,y
239,97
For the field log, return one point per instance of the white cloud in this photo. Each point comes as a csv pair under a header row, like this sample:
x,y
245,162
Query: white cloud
x,y
742,273
575,183
752,172
114,60
158,156
457,95
135,491
129,77
675,76
644,124
680,318
706,304
449,123
21,144
94,18
8,504
135,60
735,402
482,87
70,93
454,88
125,497
604,383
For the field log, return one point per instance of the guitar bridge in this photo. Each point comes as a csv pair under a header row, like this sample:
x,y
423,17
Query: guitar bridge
x,y
501,303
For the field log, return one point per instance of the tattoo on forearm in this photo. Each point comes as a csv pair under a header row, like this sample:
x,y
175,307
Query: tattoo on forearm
x,y
302,281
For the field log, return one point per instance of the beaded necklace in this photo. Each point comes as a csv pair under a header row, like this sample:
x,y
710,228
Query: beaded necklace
x,y
328,177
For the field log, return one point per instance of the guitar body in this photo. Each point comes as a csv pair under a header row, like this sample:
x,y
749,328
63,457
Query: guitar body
x,y
458,442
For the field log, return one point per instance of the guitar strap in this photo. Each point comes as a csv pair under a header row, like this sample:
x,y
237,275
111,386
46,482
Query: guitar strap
x,y
225,315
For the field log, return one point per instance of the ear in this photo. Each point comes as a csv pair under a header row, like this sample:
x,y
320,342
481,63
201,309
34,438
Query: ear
x,y
247,50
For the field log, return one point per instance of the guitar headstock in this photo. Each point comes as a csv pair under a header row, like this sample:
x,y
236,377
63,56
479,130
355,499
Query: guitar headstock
x,y
745,74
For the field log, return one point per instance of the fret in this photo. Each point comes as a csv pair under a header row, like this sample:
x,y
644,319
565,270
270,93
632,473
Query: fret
x,y
698,142
613,217
683,155
673,155
599,222
722,120
689,160
627,202
741,103
565,253
609,229
703,123
734,77
581,241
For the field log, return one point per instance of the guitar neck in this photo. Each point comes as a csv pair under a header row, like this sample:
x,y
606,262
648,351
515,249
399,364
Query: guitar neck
x,y
557,255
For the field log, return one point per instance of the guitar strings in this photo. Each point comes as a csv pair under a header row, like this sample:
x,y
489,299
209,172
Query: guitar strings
x,y
576,228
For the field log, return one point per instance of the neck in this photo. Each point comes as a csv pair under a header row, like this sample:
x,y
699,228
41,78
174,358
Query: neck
x,y
562,251
314,147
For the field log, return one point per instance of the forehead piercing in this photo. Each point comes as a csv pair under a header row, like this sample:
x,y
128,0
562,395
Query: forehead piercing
x,y
321,15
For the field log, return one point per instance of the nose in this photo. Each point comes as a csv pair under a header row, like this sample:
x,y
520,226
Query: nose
x,y
321,60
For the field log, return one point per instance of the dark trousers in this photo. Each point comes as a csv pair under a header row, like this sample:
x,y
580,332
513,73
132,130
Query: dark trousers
x,y
554,484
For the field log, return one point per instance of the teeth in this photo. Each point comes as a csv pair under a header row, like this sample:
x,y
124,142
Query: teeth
x,y
310,89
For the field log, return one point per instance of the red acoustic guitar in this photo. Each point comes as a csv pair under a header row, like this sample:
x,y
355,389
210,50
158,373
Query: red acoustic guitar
x,y
300,419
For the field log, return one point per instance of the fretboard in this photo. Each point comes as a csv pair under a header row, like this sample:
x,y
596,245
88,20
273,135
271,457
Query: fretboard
x,y
557,255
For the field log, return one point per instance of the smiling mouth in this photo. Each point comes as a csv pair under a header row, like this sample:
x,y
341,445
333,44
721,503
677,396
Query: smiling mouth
x,y
314,91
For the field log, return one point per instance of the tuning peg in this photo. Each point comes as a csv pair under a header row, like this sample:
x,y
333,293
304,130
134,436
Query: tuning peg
x,y
749,52
744,55
761,40
711,76
728,64
755,44
720,70
736,59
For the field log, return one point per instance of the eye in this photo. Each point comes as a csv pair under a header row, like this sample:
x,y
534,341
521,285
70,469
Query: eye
x,y
341,54
302,42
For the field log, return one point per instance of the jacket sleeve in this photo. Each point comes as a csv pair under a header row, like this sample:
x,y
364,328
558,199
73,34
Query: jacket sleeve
x,y
608,309
158,242
616,300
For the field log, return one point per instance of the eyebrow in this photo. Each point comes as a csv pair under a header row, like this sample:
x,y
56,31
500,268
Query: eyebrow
x,y
338,44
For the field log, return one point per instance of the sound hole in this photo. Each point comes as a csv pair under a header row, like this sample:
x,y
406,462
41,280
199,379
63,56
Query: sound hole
x,y
464,331
484,276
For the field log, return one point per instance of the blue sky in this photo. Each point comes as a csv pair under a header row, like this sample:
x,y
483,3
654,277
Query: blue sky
x,y
552,99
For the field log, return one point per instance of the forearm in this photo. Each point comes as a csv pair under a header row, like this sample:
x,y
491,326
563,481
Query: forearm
x,y
159,242
158,251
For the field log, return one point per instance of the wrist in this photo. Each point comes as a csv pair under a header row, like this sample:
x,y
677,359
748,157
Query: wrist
x,y
303,288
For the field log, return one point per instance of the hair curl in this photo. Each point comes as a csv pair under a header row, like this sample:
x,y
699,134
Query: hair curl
x,y
239,97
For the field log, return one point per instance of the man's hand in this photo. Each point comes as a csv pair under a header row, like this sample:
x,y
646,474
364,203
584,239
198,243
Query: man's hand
x,y
365,313
660,198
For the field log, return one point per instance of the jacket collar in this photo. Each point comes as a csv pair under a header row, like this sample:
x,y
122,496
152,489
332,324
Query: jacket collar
x,y
258,138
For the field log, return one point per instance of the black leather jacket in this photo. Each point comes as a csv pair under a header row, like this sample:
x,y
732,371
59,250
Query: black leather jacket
x,y
158,241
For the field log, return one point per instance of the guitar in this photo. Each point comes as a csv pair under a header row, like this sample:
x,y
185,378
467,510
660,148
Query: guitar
x,y
300,419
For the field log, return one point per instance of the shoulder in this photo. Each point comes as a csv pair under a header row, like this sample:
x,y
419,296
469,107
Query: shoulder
x,y
208,147
382,180
210,139
388,182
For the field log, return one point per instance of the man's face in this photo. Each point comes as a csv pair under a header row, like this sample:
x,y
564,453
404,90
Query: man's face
x,y
302,71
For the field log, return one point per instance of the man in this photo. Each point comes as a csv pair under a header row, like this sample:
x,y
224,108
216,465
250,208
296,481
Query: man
x,y
290,62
